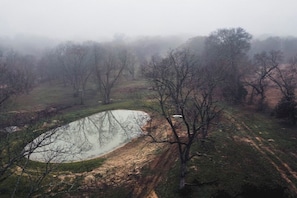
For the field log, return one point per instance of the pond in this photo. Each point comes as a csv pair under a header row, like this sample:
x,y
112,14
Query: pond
x,y
87,138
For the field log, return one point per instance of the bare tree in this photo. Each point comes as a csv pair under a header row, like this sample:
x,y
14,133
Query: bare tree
x,y
49,68
285,78
110,63
184,91
16,75
264,65
76,67
14,162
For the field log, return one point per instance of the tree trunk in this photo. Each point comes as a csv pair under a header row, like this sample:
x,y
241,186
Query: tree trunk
x,y
251,100
261,105
182,180
107,97
82,97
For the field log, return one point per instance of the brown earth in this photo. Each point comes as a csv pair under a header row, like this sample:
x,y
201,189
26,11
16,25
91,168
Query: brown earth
x,y
140,164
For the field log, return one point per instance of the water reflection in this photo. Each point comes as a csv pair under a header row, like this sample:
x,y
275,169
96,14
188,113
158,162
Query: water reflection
x,y
88,137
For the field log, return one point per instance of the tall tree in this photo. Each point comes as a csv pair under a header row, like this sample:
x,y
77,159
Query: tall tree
x,y
183,90
49,68
226,49
110,62
74,61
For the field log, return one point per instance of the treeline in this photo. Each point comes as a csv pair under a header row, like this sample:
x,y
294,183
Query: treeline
x,y
287,45
245,67
76,64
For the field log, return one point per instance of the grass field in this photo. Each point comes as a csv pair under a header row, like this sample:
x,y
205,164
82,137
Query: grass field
x,y
57,94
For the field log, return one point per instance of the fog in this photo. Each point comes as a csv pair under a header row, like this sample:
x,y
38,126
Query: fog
x,y
102,19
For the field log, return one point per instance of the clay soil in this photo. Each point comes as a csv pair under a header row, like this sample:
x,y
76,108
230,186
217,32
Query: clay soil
x,y
139,166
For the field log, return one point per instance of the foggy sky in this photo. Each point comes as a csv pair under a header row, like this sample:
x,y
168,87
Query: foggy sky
x,y
95,19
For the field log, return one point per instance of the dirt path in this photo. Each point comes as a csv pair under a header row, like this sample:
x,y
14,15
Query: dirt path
x,y
267,149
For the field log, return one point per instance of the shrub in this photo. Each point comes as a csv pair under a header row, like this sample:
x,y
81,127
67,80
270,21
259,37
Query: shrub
x,y
287,108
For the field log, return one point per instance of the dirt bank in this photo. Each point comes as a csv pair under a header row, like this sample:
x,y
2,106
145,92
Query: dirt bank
x,y
140,164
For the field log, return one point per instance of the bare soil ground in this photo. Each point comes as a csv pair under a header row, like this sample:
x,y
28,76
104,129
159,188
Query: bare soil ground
x,y
140,164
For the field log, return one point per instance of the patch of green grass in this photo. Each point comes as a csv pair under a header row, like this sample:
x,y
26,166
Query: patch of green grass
x,y
81,112
8,186
55,94
44,95
228,168
273,133
234,168
111,192
74,167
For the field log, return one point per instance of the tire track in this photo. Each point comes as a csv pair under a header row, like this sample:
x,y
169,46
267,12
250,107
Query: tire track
x,y
267,150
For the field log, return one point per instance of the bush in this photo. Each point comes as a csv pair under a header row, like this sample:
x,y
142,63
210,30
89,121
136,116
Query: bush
x,y
287,109
235,94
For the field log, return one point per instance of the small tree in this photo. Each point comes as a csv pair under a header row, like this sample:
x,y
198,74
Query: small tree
x,y
285,78
264,65
109,65
186,89
15,168
75,67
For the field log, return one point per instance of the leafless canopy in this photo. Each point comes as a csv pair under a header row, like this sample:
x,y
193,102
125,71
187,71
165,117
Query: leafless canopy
x,y
183,87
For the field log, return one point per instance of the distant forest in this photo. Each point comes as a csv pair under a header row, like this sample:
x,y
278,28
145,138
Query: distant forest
x,y
287,45
34,60
34,45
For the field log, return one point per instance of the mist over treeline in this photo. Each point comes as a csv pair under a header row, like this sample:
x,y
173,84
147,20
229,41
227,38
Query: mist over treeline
x,y
36,45
27,44
146,46
48,59
287,45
